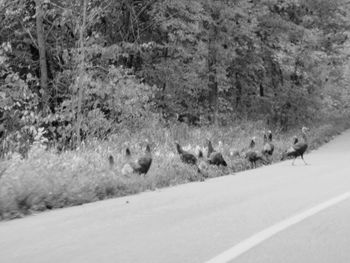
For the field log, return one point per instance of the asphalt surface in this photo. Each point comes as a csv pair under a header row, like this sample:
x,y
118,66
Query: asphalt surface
x,y
323,238
198,221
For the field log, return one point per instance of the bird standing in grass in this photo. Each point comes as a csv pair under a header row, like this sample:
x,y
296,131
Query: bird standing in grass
x,y
111,162
189,158
202,164
268,147
186,157
215,157
298,148
139,166
253,156
295,140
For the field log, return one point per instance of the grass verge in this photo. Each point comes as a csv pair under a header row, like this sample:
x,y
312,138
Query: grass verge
x,y
48,180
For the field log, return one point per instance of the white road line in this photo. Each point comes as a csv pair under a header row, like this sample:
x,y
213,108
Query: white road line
x,y
258,238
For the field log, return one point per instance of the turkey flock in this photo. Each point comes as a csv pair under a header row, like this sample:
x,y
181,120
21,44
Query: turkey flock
x,y
253,155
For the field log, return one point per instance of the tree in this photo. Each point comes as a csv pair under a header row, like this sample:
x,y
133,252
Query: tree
x,y
42,53
81,73
212,60
100,66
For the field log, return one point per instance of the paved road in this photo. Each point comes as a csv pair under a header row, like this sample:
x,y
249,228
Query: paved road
x,y
323,239
198,221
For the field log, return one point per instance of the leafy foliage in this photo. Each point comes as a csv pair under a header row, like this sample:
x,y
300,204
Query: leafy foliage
x,y
145,61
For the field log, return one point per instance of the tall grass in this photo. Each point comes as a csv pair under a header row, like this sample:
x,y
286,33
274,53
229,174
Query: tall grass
x,y
48,180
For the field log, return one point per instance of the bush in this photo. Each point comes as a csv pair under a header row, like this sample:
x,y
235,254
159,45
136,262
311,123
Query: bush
x,y
48,180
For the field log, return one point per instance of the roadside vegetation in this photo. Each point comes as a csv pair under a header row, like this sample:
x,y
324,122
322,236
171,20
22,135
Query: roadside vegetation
x,y
47,180
81,80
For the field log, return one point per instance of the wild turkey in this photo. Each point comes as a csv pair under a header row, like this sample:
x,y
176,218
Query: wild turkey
x,y
185,156
268,146
188,118
214,157
298,148
139,166
252,143
295,140
254,156
2,128
111,161
202,163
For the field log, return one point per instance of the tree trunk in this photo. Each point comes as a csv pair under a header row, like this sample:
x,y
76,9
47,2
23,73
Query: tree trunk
x,y
81,73
212,74
238,90
42,54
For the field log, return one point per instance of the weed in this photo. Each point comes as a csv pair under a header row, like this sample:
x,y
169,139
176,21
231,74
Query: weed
x,y
48,180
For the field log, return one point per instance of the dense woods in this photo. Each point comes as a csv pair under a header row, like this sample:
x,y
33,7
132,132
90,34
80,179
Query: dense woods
x,y
73,70
106,98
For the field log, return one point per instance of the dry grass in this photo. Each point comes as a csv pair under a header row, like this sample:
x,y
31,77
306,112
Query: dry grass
x,y
48,180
